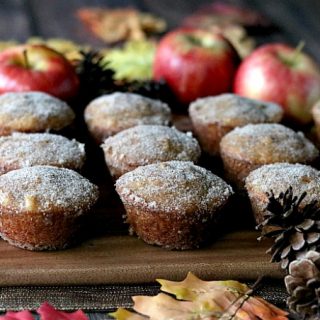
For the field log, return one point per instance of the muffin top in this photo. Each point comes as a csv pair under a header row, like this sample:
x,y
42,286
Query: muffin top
x,y
173,186
118,111
30,149
46,189
279,176
268,143
148,144
33,112
235,111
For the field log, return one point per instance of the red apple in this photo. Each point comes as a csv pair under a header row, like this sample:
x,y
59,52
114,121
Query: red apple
x,y
37,68
279,73
195,63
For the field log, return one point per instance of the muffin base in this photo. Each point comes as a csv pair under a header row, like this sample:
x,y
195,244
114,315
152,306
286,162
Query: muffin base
x,y
210,135
39,231
258,205
172,230
237,170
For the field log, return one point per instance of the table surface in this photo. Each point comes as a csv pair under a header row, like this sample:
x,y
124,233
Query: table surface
x,y
19,19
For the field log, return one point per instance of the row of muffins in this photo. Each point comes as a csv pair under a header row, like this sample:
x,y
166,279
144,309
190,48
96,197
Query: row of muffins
x,y
158,195
175,203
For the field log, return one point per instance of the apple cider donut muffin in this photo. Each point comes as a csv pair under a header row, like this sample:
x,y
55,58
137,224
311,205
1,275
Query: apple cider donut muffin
x,y
146,144
247,148
214,117
112,113
172,204
31,149
41,207
33,112
277,178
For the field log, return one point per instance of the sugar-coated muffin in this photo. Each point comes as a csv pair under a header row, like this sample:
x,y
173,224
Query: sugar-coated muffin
x,y
32,149
214,117
173,204
247,148
112,113
277,178
41,206
33,112
147,144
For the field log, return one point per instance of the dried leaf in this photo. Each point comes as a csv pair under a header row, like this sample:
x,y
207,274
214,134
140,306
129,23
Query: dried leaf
x,y
113,25
206,300
21,315
192,286
133,61
123,314
48,312
163,307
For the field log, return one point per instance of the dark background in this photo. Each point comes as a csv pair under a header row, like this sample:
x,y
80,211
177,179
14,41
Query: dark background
x,y
19,19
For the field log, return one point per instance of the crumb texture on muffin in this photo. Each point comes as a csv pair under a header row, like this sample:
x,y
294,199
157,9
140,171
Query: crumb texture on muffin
x,y
30,149
148,144
268,143
279,176
46,189
115,112
173,186
232,110
33,112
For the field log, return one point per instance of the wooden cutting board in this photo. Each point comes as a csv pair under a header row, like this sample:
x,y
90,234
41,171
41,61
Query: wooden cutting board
x,y
111,256
125,259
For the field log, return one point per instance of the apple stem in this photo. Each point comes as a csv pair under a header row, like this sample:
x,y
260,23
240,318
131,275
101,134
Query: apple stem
x,y
297,52
25,57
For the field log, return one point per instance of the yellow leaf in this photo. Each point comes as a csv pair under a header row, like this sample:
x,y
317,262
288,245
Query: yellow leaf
x,y
123,314
164,307
192,286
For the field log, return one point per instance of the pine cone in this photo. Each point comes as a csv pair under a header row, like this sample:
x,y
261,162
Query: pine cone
x,y
303,285
295,228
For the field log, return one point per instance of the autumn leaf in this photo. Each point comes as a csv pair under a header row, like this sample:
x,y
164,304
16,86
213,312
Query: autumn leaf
x,y
163,307
203,300
192,286
123,314
48,312
21,315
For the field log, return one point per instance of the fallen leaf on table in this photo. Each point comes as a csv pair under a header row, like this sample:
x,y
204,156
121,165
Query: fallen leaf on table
x,y
191,287
133,61
123,314
114,25
207,300
163,307
21,315
48,312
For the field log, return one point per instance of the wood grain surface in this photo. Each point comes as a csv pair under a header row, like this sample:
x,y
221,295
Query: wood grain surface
x,y
125,259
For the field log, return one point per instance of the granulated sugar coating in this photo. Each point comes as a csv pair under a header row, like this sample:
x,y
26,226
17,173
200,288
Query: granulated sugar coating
x,y
173,186
33,112
29,149
46,189
268,143
148,144
279,176
118,111
232,110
